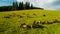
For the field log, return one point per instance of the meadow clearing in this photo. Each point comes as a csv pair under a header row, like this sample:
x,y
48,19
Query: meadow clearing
x,y
10,21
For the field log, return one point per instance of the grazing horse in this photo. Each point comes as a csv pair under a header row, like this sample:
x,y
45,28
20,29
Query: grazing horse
x,y
37,25
34,25
23,25
54,20
44,15
39,22
34,14
45,22
6,16
21,16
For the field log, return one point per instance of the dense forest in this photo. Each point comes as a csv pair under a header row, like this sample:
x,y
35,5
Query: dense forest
x,y
18,6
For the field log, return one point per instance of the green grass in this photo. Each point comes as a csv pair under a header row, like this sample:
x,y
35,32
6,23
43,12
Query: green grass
x,y
11,25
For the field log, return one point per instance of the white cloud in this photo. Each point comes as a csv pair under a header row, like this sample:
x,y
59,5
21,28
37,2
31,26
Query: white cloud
x,y
40,3
20,0
57,7
50,1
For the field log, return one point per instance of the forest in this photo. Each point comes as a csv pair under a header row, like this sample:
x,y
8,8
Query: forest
x,y
18,6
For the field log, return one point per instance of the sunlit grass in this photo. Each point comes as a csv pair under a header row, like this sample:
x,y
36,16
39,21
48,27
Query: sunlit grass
x,y
12,25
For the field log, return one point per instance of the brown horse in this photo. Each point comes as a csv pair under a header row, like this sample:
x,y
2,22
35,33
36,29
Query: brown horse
x,y
37,25
45,22
23,25
54,20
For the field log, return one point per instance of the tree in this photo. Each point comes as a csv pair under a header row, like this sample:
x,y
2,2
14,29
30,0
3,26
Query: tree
x,y
31,6
27,5
15,6
21,5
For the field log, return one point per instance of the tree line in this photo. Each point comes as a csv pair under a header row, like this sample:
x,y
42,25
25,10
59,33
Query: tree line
x,y
18,6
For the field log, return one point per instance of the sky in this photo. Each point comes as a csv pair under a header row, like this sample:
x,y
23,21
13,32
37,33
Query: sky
x,y
6,2
46,4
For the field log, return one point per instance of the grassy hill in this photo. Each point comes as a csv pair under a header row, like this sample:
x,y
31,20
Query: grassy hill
x,y
10,21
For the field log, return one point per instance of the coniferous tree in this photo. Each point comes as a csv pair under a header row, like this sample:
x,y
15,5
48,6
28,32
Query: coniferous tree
x,y
31,6
15,6
21,5
27,5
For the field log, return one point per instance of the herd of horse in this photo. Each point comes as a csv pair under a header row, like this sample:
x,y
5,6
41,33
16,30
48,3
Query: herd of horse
x,y
38,24
35,24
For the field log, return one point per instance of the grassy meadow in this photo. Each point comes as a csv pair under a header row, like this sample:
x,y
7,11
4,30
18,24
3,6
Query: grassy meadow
x,y
12,24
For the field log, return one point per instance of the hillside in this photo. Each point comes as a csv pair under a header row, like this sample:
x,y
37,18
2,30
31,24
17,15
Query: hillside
x,y
10,21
